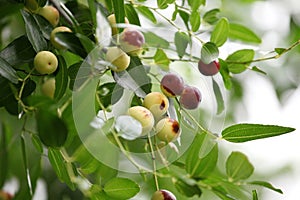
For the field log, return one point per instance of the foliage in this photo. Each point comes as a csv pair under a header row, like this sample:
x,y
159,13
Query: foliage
x,y
75,131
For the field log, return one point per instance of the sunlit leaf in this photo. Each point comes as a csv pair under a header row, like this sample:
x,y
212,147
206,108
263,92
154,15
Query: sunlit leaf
x,y
195,20
240,32
224,71
211,16
121,188
153,40
132,15
239,60
220,32
247,132
162,59
147,13
266,185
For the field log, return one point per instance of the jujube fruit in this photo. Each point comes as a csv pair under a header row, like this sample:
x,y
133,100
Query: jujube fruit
x,y
144,116
57,30
190,97
48,87
112,21
31,5
163,195
118,58
50,13
167,129
132,41
208,69
172,85
157,103
45,62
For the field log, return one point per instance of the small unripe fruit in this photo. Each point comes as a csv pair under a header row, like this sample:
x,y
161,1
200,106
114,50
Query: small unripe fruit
x,y
50,13
208,69
45,62
163,195
48,88
57,30
172,85
31,5
168,129
157,103
144,116
112,21
118,58
190,97
132,41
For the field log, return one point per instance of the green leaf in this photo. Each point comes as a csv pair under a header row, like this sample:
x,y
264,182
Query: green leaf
x,y
18,52
195,20
153,40
266,185
119,11
247,132
147,13
209,52
211,16
254,195
86,42
61,79
238,166
34,33
4,153
60,166
107,90
256,69
224,71
121,188
8,72
163,4
132,15
240,60
196,4
202,156
220,33
181,42
240,32
280,51
187,189
51,129
37,143
185,17
219,97
161,59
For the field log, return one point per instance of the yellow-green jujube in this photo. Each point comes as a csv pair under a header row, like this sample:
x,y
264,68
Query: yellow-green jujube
x,y
112,21
45,62
57,30
118,58
144,116
50,13
48,88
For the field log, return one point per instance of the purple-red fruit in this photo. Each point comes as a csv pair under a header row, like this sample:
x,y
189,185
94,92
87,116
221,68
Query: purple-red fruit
x,y
163,195
190,97
172,85
208,69
132,41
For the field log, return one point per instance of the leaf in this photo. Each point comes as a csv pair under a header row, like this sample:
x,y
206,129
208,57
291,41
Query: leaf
x,y
119,11
247,132
103,29
240,32
109,93
224,71
219,97
18,52
163,4
239,60
181,42
37,142
161,59
280,51
266,185
254,195
211,16
209,52
61,79
202,156
153,40
121,188
147,13
8,72
195,20
60,167
185,17
132,15
238,166
33,32
51,129
4,153
196,4
187,189
220,33
256,69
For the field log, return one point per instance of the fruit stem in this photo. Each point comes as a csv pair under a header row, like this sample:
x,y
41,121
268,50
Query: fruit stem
x,y
153,162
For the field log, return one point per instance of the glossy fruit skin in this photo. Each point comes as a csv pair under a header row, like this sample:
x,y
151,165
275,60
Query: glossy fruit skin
x,y
57,30
132,41
112,21
157,103
172,85
168,129
144,116
163,195
45,62
208,69
48,88
118,58
31,5
190,97
50,13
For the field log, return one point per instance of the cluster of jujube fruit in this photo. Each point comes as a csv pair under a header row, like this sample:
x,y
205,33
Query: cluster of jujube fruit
x,y
130,43
173,85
